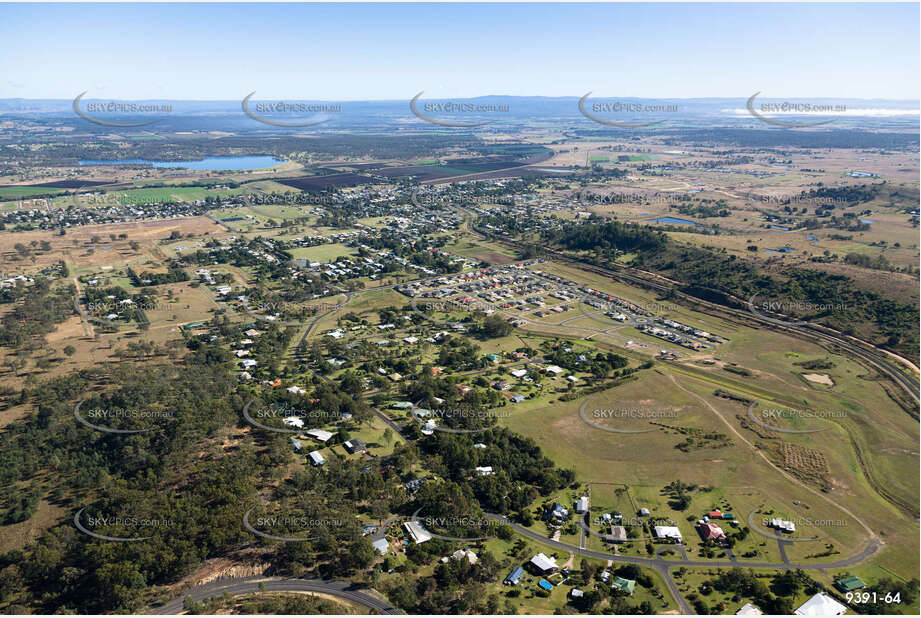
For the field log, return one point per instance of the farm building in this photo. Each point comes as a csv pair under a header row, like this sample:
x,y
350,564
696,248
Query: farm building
x,y
354,446
316,458
582,504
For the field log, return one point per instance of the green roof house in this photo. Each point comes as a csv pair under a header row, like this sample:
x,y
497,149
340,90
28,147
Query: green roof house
x,y
849,583
626,585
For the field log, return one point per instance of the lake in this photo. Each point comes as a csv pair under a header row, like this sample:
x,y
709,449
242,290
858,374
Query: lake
x,y
245,162
674,220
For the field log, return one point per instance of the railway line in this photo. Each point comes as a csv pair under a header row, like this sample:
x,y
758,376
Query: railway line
x,y
870,355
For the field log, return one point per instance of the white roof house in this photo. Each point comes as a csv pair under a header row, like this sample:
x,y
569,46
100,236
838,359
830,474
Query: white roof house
x,y
460,554
319,434
382,546
484,470
554,370
297,390
520,373
749,610
316,458
293,421
820,605
544,563
417,531
782,524
668,532
582,504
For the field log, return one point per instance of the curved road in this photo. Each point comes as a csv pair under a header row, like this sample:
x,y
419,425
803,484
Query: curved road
x,y
878,359
662,566
248,585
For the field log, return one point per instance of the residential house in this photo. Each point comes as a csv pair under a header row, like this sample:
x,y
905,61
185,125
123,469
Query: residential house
x,y
544,564
417,532
820,605
670,533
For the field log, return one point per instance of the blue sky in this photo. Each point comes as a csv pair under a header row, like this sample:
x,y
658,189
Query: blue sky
x,y
380,51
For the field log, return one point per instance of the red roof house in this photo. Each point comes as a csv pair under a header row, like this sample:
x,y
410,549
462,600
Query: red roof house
x,y
711,532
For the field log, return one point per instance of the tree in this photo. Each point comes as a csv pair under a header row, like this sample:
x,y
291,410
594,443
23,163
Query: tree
x,y
69,350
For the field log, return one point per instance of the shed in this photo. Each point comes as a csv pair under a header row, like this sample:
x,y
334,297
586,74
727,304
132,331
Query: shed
x,y
512,578
849,583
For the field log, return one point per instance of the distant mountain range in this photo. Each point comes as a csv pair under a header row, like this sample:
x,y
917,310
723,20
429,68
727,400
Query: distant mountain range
x,y
228,115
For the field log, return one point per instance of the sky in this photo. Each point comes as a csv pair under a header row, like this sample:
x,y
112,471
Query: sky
x,y
393,51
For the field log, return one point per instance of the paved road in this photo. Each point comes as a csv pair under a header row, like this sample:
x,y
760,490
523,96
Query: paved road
x,y
872,546
249,585
662,566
